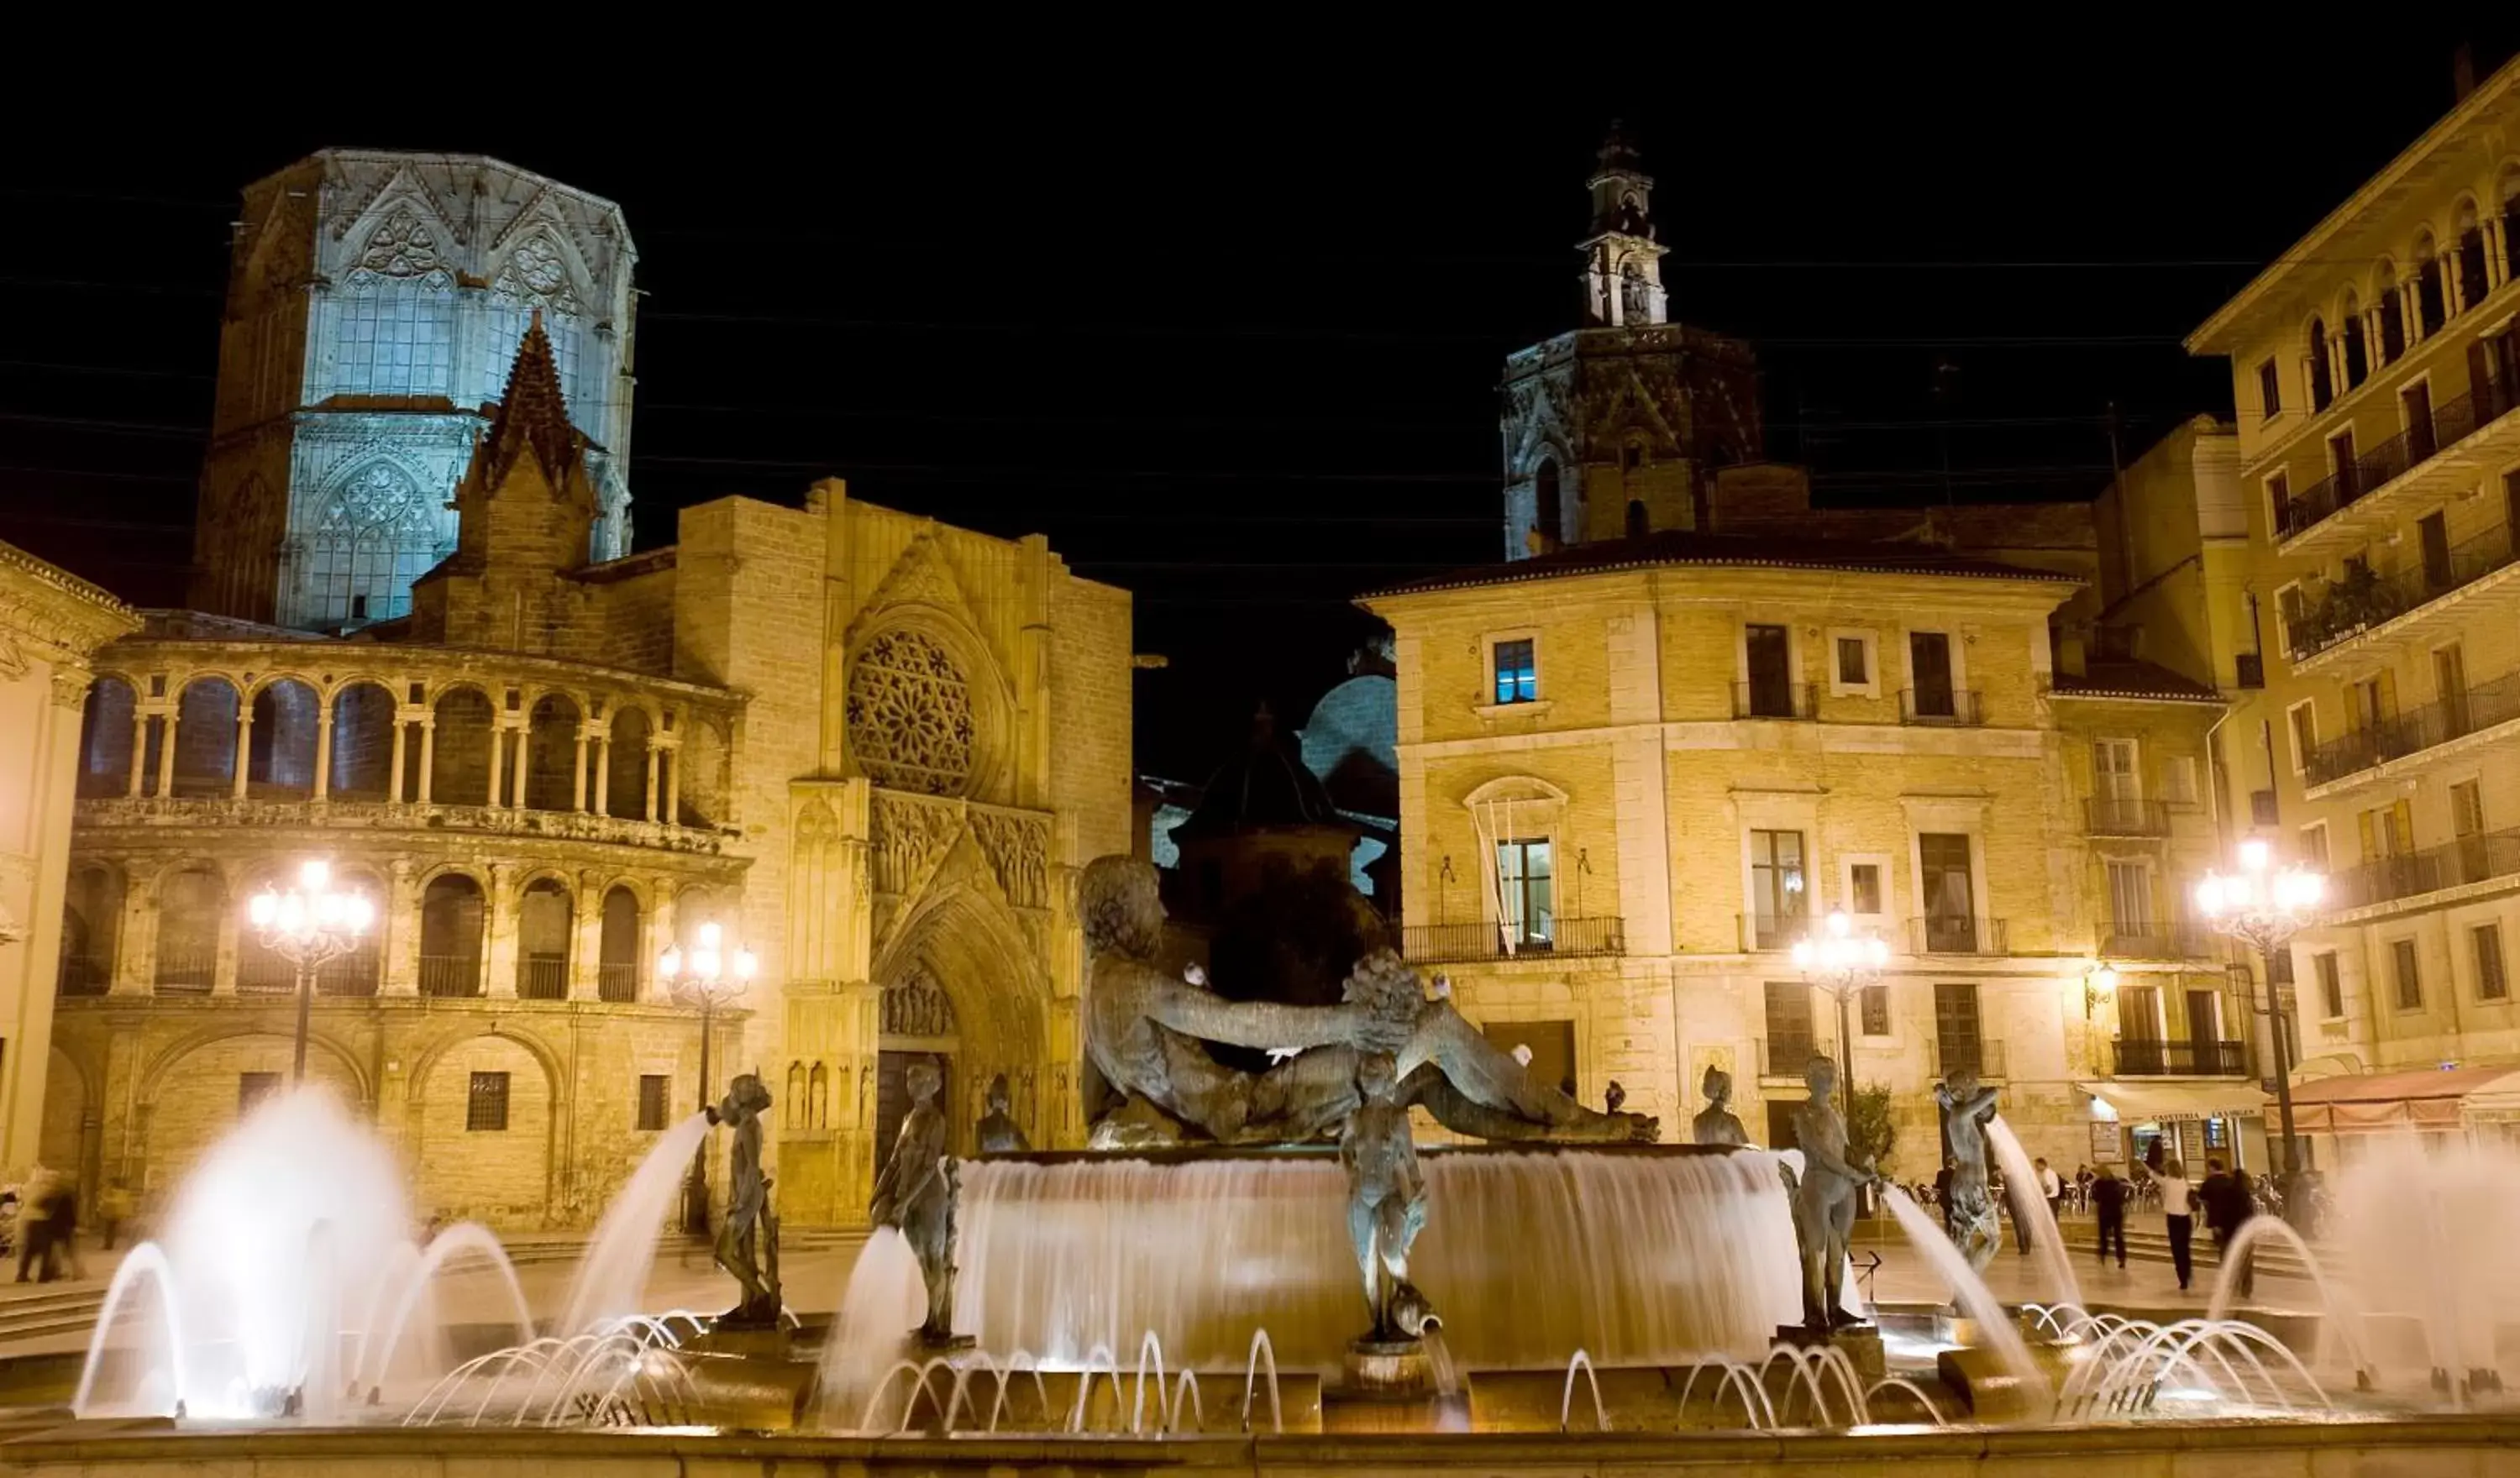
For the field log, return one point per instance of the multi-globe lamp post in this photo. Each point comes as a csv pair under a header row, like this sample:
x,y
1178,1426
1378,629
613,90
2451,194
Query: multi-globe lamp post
x,y
1841,961
2263,906
709,976
310,925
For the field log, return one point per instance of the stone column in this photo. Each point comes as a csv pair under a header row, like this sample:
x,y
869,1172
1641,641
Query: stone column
x,y
399,929
655,751
428,756
223,970
393,783
603,775
501,961
525,764
323,746
498,752
588,951
673,766
166,721
135,945
139,749
238,762
577,799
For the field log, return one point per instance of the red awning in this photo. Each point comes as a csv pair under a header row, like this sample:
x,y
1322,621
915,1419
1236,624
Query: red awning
x,y
2413,1098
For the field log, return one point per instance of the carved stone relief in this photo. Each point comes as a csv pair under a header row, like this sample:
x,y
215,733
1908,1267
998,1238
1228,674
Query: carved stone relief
x,y
909,719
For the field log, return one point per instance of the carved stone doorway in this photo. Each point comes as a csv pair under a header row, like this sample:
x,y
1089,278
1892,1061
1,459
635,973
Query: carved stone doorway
x,y
917,1021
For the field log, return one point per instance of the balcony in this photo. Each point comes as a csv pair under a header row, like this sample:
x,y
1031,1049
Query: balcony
x,y
1947,707
2395,608
617,983
1979,1055
2158,940
2482,858
1553,939
344,814
2131,1058
85,974
2482,707
2425,457
1956,934
1775,700
542,977
2110,816
185,971
1767,933
450,974
1785,1057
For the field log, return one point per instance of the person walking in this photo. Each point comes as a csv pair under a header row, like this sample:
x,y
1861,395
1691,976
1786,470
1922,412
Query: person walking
x,y
1942,1190
2230,1201
2051,1188
62,1223
34,1230
2109,1196
2178,1213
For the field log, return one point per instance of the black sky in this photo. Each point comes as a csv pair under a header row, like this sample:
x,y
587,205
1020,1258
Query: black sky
x,y
1232,341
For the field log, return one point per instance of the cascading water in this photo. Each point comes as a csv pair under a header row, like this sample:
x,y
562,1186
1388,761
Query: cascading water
x,y
1641,1256
887,1298
269,1256
611,1281
1968,1291
2046,1240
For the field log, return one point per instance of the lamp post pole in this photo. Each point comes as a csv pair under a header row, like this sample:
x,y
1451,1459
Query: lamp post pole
x,y
710,975
2263,906
310,925
1842,963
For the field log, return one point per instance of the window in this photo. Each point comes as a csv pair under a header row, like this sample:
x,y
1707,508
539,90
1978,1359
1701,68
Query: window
x,y
2467,831
1517,671
2322,382
253,1089
2393,316
485,1106
2139,1012
2270,388
1790,1042
2358,360
1929,671
1768,655
2280,498
1864,888
1640,523
1950,895
2340,456
2292,610
1523,882
2492,984
2313,846
2332,986
2179,781
2304,717
1548,522
1875,1010
2416,402
2450,685
654,1100
1777,891
2116,789
2130,898
1631,457
2411,980
2432,532
1957,1040
1854,662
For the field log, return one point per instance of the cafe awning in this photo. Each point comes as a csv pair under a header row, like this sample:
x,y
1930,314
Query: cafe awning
x,y
2423,1097
2168,1103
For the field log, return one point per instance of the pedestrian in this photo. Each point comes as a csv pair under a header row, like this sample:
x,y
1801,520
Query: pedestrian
x,y
2109,1203
2051,1187
62,1223
34,1230
1942,1190
2083,1178
2230,1201
113,1208
2179,1208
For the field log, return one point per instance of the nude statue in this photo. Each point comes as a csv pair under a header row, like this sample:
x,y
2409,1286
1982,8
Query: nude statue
x,y
998,1132
1824,1198
1148,1031
1717,1123
915,1193
1386,1203
1971,1213
748,1244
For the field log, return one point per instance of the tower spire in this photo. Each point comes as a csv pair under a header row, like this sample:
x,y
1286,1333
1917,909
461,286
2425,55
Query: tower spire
x,y
533,411
1622,259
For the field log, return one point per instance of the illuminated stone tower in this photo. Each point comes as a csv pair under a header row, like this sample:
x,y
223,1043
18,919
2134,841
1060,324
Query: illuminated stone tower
x,y
1618,427
375,305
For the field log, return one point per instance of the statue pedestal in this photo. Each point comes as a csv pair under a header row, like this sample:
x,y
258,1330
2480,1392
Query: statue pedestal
x,y
1387,1370
1860,1344
940,1344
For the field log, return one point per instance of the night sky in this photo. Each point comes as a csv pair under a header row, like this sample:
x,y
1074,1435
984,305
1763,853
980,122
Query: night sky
x,y
1233,343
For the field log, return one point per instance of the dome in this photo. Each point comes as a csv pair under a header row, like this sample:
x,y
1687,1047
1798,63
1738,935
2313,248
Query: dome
x,y
1264,788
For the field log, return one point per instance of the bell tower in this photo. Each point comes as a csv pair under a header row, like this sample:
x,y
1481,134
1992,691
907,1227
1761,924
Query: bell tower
x,y
1622,260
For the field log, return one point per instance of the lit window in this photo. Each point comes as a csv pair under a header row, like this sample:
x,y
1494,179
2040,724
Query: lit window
x,y
1777,892
1854,662
2411,980
1527,906
652,1100
485,1105
1517,674
1864,887
2491,982
1876,1011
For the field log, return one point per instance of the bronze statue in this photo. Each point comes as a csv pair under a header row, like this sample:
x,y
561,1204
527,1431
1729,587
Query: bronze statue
x,y
915,1195
1969,1208
1149,1032
998,1133
1824,1198
1386,1198
1716,1123
748,1244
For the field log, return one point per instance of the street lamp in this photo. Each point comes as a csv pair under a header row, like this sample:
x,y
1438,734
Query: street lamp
x,y
706,977
1842,963
311,926
2263,906
2099,983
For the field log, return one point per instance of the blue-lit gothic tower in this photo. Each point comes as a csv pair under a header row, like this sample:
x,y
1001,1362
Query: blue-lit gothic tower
x,y
374,307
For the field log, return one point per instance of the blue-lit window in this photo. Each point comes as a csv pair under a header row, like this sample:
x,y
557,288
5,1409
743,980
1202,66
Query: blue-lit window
x,y
1517,672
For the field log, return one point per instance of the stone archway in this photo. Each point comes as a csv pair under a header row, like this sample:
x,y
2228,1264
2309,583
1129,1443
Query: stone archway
x,y
959,972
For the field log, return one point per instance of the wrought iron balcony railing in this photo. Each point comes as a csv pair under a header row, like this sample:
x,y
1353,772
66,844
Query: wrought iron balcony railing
x,y
1557,937
450,974
2343,609
1956,934
2480,857
1771,931
2158,939
2112,816
616,982
2135,1058
2416,730
542,977
1775,700
85,974
1980,1055
185,971
2450,423
1957,706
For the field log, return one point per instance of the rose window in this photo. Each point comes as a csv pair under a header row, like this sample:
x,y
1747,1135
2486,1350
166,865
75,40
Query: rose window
x,y
910,715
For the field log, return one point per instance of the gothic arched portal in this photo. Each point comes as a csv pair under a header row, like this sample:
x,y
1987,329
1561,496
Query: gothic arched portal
x,y
961,981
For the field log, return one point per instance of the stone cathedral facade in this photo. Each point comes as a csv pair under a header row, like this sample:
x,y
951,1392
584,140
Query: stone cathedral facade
x,y
373,303
873,748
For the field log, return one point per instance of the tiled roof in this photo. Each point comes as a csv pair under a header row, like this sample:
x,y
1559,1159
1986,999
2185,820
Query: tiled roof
x,y
1727,549
2133,678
